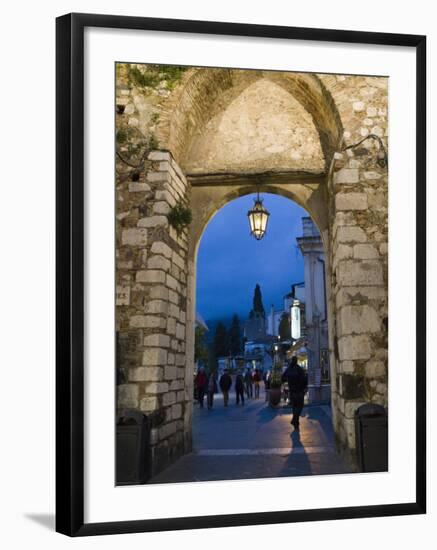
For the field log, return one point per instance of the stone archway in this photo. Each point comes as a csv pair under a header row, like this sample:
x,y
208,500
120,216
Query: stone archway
x,y
205,92
195,164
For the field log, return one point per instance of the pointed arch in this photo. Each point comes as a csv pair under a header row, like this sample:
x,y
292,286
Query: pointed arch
x,y
204,92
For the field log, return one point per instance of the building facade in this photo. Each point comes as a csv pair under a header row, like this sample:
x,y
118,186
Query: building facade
x,y
257,342
316,314
275,315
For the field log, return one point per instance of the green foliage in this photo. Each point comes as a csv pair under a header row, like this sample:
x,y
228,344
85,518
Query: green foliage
x,y
121,135
220,344
153,143
143,78
276,379
284,327
179,217
152,75
130,136
201,352
235,340
172,72
136,146
212,361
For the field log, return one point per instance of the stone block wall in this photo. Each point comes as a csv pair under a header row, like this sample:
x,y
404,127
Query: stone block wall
x,y
151,306
359,280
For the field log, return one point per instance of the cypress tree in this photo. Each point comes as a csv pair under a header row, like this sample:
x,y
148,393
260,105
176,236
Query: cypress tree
x,y
220,344
235,343
200,347
258,307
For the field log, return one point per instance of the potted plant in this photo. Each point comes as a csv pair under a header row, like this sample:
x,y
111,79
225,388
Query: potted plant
x,y
275,386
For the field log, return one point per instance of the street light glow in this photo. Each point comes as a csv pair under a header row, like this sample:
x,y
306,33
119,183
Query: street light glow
x,y
258,218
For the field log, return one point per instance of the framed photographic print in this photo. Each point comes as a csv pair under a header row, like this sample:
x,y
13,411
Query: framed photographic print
x,y
240,212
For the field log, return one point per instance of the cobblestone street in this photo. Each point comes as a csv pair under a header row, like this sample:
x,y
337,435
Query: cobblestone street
x,y
256,441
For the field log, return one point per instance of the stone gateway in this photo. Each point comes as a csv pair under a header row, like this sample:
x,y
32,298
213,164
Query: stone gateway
x,y
196,138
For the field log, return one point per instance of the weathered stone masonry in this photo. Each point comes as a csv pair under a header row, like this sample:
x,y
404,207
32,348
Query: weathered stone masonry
x,y
152,305
197,152
358,189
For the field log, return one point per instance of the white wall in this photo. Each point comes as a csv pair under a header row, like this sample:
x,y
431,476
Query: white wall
x,y
273,321
27,275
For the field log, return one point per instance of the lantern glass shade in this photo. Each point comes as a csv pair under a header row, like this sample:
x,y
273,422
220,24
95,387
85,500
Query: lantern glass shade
x,y
258,218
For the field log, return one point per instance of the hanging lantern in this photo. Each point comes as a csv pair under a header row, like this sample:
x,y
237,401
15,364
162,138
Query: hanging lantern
x,y
258,218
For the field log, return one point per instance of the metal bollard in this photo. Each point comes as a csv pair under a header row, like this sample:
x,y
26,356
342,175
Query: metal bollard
x,y
132,452
371,432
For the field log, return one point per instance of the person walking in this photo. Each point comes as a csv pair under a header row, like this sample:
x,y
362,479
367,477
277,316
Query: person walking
x,y
225,385
201,384
256,382
248,383
239,388
297,381
212,389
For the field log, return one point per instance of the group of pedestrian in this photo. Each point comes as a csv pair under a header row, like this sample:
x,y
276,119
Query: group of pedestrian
x,y
249,385
204,384
245,385
241,386
252,380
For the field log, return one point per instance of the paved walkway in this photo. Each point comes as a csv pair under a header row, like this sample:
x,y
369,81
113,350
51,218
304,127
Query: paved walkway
x,y
255,441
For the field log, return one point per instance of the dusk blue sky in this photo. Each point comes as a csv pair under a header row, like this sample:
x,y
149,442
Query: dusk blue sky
x,y
231,262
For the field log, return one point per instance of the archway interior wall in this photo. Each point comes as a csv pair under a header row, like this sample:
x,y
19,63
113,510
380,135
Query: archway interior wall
x,y
206,93
279,134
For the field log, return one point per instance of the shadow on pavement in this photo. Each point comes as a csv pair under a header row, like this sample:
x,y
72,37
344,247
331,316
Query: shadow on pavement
x,y
297,462
266,414
295,440
324,420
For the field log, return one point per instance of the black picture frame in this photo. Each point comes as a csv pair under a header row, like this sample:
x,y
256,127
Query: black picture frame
x,y
70,273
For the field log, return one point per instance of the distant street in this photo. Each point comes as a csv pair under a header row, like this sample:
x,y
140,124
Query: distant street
x,y
255,441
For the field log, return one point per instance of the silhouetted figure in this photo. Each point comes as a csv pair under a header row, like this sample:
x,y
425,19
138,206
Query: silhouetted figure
x,y
248,383
212,389
297,381
225,385
239,389
256,382
201,384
